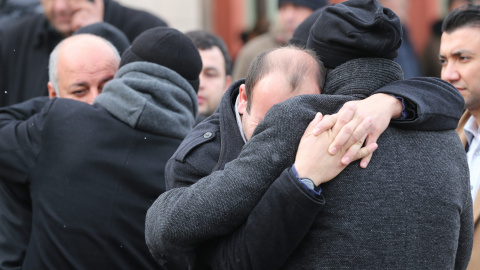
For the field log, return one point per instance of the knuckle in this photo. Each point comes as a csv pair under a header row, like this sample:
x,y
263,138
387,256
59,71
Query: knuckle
x,y
357,136
348,130
350,105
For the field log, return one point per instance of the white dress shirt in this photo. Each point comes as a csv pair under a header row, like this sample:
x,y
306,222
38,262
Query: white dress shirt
x,y
472,132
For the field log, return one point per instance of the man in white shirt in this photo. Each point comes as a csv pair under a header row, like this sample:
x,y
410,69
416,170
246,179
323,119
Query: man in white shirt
x,y
460,58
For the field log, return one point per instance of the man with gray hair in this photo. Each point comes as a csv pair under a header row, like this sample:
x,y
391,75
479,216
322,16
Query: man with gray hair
x,y
93,170
79,68
81,75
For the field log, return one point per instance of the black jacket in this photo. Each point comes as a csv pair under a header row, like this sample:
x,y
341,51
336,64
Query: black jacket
x,y
192,161
92,176
25,48
216,140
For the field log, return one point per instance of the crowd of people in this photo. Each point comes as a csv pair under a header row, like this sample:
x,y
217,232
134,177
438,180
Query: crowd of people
x,y
127,144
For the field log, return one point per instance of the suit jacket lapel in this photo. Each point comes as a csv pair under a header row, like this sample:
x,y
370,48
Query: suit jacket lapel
x,y
476,207
461,124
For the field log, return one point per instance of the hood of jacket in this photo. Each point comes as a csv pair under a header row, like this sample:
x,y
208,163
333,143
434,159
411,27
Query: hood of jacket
x,y
151,98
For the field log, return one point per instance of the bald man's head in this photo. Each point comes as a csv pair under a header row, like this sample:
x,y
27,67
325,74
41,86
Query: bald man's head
x,y
275,76
294,63
80,66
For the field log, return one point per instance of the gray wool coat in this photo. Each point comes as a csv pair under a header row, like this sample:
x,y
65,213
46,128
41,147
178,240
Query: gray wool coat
x,y
410,209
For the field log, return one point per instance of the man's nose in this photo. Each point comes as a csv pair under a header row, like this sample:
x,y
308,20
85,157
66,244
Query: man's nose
x,y
450,73
93,93
60,5
202,79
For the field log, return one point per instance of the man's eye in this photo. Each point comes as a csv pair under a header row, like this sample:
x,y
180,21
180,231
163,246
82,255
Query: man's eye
x,y
464,58
211,75
79,93
442,61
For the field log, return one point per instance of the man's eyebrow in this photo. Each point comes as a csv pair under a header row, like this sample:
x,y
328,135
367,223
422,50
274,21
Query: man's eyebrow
x,y
211,68
82,84
457,53
107,79
462,51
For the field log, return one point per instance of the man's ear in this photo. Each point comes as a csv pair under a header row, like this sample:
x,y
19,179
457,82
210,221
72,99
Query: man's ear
x,y
51,91
242,100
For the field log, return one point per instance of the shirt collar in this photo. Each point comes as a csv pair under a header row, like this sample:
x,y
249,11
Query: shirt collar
x,y
471,129
239,120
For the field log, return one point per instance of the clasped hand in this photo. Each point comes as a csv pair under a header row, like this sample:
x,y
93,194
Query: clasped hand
x,y
332,142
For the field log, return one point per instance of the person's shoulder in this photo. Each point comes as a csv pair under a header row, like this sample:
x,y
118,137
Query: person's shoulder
x,y
134,17
24,27
200,142
30,20
197,155
66,108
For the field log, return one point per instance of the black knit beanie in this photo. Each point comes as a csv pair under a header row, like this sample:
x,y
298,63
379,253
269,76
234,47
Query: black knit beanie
x,y
311,4
167,47
300,36
108,32
355,29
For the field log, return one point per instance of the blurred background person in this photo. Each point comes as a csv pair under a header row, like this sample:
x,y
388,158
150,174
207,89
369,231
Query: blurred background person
x,y
25,46
290,14
13,10
216,74
407,57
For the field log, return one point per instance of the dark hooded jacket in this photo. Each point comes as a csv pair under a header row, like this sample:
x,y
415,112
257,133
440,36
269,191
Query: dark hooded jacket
x,y
94,170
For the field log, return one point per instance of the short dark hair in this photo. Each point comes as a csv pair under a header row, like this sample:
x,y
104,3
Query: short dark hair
x,y
464,16
263,65
204,40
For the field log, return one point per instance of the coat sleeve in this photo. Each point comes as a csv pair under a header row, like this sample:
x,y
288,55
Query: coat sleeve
x,y
272,232
182,218
21,133
436,104
23,110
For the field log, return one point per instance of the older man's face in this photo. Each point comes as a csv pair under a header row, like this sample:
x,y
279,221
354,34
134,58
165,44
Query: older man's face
x,y
84,66
60,13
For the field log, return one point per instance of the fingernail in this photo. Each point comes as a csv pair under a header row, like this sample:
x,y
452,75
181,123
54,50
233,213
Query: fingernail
x,y
333,150
346,160
316,131
364,164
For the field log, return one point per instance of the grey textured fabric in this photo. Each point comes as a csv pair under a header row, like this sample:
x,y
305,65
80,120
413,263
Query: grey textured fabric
x,y
252,172
410,209
149,97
